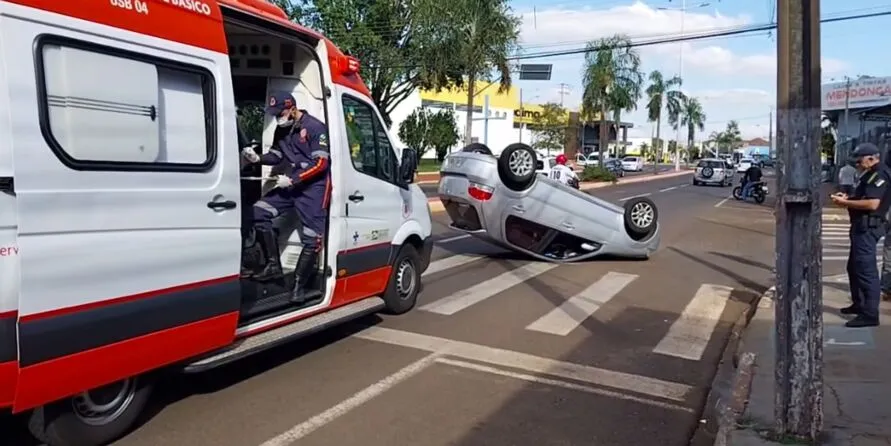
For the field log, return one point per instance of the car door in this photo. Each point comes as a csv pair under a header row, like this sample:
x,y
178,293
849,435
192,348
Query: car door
x,y
127,202
373,201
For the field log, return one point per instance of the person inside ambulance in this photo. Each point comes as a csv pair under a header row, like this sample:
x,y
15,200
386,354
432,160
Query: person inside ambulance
x,y
304,148
563,173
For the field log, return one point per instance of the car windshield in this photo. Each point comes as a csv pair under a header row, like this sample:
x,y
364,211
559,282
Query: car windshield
x,y
714,164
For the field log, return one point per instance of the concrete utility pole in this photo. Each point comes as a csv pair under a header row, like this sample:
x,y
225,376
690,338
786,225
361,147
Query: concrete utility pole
x,y
564,90
799,306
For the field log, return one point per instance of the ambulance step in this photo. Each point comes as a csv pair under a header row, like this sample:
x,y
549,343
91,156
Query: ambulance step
x,y
287,333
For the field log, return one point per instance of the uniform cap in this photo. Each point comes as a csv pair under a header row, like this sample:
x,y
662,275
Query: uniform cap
x,y
866,149
280,102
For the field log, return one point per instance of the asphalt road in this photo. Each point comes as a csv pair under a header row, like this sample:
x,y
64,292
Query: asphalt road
x,y
488,359
430,189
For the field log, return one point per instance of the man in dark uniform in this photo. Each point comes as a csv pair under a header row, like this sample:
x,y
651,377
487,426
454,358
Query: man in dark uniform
x,y
304,147
867,208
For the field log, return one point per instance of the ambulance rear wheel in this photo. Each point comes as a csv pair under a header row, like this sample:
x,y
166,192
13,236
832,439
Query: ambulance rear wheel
x,y
405,281
95,417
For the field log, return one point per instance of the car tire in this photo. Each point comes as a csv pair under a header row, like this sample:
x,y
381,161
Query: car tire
x,y
641,217
63,423
516,166
404,285
477,147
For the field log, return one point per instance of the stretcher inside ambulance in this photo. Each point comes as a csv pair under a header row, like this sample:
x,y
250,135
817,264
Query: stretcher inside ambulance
x,y
125,202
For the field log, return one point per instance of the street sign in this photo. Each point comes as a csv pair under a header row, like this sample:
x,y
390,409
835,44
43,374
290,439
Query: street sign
x,y
535,72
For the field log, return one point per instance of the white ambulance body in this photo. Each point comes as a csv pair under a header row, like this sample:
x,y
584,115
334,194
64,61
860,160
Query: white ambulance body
x,y
123,200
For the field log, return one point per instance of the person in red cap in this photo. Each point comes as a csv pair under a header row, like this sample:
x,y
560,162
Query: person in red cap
x,y
563,173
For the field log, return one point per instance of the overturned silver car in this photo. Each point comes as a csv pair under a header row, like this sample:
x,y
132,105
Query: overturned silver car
x,y
504,201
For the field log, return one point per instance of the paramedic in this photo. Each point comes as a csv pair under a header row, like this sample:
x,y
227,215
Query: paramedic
x,y
867,208
563,173
305,189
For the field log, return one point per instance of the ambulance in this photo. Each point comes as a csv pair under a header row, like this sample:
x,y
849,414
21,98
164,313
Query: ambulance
x,y
124,201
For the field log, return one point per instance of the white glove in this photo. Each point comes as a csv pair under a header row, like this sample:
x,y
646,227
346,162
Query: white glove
x,y
249,154
283,182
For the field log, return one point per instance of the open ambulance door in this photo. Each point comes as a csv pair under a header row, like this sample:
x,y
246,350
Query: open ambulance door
x,y
128,208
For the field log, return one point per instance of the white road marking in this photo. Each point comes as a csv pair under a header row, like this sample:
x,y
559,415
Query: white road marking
x,y
636,196
449,263
455,238
721,203
363,396
558,383
668,189
627,382
684,185
829,258
568,316
482,291
690,333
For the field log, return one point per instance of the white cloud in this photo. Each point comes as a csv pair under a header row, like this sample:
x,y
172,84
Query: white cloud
x,y
708,65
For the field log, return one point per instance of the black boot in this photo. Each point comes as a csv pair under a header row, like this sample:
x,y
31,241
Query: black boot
x,y
273,267
305,273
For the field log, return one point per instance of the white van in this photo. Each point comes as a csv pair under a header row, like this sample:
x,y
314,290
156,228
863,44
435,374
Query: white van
x,y
123,200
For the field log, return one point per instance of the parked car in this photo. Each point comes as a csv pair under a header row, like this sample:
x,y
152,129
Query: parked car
x,y
581,160
615,166
632,164
544,165
710,171
504,201
744,164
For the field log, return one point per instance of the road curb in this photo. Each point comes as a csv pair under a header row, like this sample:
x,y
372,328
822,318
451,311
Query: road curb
x,y
436,205
729,392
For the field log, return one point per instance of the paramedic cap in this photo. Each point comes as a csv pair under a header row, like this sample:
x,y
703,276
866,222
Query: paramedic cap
x,y
279,102
866,149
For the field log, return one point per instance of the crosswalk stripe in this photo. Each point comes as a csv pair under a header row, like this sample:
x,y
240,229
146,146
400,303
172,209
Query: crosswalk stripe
x,y
449,263
569,315
690,333
826,258
482,291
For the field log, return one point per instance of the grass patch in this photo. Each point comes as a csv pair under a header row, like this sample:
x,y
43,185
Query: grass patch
x,y
428,165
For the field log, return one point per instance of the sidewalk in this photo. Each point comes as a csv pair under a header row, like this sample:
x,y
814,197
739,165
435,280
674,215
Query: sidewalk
x,y
856,373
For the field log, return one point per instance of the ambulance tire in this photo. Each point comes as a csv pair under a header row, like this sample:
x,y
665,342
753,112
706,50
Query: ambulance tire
x,y
405,281
60,424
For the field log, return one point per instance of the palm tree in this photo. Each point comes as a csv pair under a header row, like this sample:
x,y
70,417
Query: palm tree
x,y
612,81
659,92
482,34
732,135
692,116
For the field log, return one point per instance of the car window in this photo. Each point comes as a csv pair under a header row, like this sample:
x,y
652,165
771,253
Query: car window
x,y
552,162
370,147
711,163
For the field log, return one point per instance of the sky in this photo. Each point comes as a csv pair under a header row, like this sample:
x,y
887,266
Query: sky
x,y
734,77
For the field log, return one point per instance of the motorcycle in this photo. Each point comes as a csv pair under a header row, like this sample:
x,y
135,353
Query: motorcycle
x,y
758,192
573,183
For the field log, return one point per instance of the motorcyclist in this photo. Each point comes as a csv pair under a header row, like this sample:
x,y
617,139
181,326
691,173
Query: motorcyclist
x,y
305,188
751,177
563,173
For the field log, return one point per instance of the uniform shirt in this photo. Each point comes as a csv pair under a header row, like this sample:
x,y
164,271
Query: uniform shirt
x,y
308,157
873,184
562,174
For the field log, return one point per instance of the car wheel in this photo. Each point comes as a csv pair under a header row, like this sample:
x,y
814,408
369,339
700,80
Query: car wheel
x,y
98,416
516,166
405,282
477,147
641,217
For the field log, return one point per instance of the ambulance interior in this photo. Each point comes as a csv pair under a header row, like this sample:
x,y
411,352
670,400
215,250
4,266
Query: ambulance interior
x,y
262,64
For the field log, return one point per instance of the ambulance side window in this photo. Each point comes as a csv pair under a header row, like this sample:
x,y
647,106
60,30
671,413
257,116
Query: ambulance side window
x,y
370,149
102,108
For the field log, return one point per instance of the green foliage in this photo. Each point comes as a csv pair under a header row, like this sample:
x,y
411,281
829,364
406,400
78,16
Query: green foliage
x,y
667,93
550,128
729,139
250,121
597,173
423,130
612,80
691,116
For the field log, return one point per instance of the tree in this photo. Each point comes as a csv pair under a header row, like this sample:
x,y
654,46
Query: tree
x,y
612,81
479,37
645,151
659,92
550,128
732,135
423,130
691,116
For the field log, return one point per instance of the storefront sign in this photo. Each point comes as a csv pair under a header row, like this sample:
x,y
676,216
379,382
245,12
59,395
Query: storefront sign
x,y
864,93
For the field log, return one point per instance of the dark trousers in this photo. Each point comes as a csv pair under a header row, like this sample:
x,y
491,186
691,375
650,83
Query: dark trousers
x,y
863,274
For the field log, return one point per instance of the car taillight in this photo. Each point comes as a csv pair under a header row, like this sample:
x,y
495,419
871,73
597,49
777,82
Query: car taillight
x,y
480,192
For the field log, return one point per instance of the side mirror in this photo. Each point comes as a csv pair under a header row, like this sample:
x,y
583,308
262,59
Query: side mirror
x,y
409,166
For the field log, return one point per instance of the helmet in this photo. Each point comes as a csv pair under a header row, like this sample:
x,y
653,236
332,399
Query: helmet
x,y
561,159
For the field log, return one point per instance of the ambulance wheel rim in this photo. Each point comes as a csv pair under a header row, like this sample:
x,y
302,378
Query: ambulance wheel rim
x,y
405,279
106,404
521,162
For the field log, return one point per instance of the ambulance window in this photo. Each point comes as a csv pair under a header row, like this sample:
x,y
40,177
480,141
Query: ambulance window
x,y
370,148
148,116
